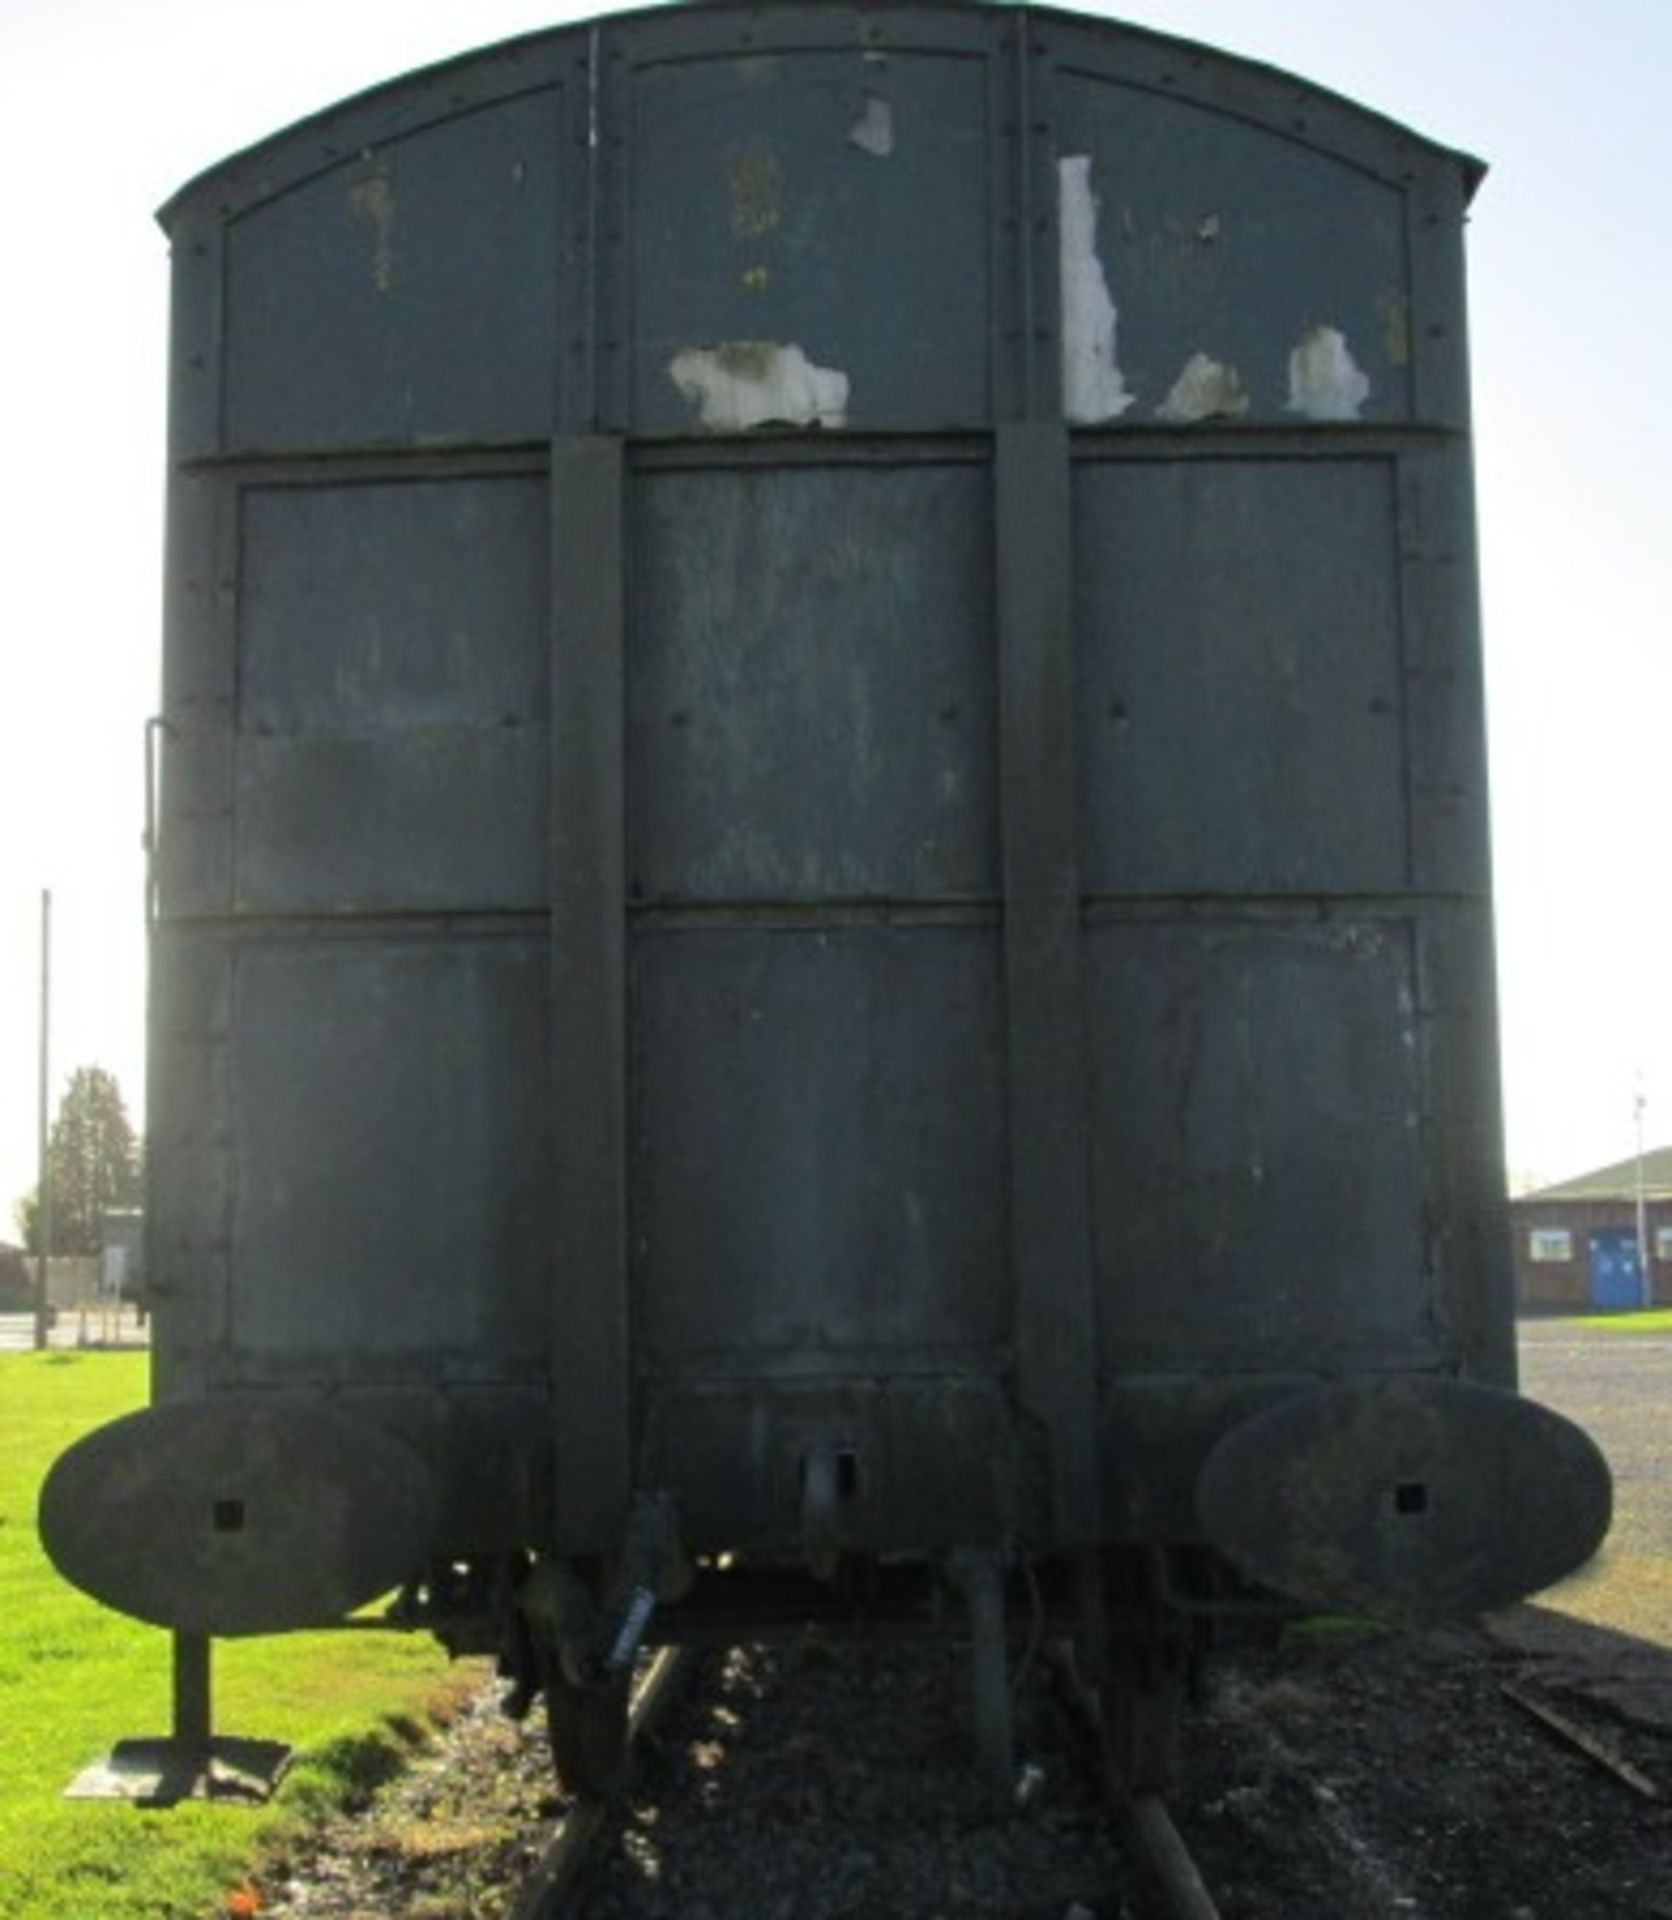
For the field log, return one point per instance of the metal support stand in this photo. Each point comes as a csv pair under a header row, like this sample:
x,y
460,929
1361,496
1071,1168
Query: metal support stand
x,y
193,1710
190,1763
982,1577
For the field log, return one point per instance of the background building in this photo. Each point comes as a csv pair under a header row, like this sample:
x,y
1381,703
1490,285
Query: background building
x,y
1576,1242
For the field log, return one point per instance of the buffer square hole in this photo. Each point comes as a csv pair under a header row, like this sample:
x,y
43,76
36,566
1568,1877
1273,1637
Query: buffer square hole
x,y
1411,1497
228,1516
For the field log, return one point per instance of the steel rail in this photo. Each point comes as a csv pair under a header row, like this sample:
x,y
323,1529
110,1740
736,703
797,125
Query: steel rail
x,y
1152,1842
1149,1833
558,1871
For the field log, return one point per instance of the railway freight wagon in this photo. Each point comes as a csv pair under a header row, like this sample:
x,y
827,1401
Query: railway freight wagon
x,y
822,937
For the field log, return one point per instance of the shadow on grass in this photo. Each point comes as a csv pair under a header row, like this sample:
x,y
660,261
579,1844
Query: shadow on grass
x,y
342,1774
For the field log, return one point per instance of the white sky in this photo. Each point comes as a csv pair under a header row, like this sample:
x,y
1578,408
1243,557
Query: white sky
x,y
106,106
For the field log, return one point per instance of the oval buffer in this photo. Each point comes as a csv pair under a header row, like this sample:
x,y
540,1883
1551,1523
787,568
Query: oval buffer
x,y
1415,1496
191,1514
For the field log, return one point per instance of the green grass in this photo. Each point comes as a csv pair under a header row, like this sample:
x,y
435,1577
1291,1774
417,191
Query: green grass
x,y
1654,1320
75,1677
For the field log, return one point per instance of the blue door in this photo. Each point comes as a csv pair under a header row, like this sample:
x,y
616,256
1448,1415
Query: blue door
x,y
1616,1271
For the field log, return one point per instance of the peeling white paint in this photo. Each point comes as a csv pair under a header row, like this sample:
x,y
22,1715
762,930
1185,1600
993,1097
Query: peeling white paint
x,y
873,131
1092,386
755,383
1325,381
1206,389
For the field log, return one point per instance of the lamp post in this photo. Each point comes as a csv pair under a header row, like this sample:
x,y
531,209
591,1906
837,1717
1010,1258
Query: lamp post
x,y
1645,1273
43,1189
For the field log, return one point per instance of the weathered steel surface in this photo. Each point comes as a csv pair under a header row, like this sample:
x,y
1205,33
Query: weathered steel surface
x,y
810,693
242,1514
829,211
406,293
393,695
1240,659
1258,1101
589,1329
932,1451
365,1074
1051,1252
1418,1496
818,1146
822,784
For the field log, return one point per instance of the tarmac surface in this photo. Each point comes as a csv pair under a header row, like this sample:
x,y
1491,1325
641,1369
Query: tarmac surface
x,y
1617,1385
1613,1617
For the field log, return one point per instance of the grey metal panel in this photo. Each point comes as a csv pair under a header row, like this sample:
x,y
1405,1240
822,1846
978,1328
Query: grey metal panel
x,y
199,668
391,1119
1051,1255
1450,841
1221,239
589,1334
1475,1304
197,280
933,1459
811,684
433,820
188,1161
393,693
796,208
195,842
408,294
1436,215
193,854
1157,1430
1241,691
1259,1154
1241,90
376,607
817,1142
488,1452
833,1053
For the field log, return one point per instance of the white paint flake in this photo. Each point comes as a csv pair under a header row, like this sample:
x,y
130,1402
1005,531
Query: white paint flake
x,y
1325,381
755,383
873,131
1092,387
1206,389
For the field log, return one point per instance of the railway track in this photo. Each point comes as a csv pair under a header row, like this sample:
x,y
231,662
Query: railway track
x,y
777,1783
555,1887
1393,1781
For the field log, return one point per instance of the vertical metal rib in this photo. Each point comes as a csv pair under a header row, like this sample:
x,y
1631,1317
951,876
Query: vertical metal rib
x,y
589,1316
1050,1187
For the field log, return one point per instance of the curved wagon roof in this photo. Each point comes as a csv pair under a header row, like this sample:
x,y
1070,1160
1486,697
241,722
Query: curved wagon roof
x,y
1225,83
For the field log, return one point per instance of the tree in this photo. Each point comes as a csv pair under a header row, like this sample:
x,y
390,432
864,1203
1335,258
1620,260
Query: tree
x,y
94,1159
